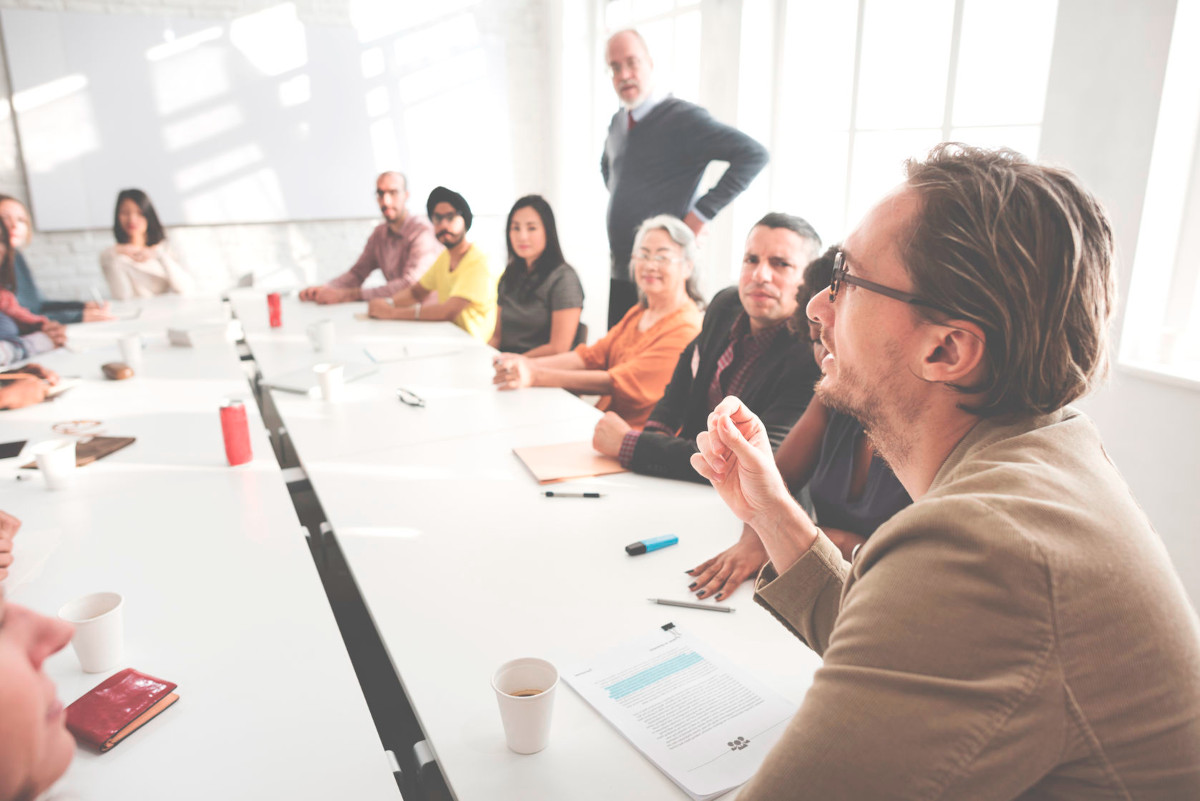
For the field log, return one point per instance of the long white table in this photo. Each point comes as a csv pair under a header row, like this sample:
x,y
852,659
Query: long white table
x,y
221,593
463,563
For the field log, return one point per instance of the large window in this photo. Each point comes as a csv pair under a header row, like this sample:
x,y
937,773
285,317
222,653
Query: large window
x,y
1161,333
865,84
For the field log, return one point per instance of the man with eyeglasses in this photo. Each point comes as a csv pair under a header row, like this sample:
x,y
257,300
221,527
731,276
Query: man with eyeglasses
x,y
657,150
1018,631
745,348
465,287
401,247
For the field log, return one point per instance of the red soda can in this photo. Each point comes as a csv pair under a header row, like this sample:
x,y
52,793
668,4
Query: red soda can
x,y
275,309
236,431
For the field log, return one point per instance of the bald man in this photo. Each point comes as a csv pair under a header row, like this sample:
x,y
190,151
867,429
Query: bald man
x,y
402,247
657,150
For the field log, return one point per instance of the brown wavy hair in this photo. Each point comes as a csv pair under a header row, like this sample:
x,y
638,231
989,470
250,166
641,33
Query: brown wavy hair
x,y
1025,252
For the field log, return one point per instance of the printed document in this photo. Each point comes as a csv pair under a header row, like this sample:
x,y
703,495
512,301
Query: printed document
x,y
701,720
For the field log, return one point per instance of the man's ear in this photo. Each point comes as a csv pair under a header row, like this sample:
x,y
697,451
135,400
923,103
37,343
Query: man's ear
x,y
955,353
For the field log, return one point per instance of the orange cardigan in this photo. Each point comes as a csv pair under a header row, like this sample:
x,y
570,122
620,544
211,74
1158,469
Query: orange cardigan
x,y
640,363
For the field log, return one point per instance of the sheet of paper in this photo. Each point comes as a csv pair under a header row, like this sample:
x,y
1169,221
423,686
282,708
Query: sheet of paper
x,y
565,460
397,352
701,720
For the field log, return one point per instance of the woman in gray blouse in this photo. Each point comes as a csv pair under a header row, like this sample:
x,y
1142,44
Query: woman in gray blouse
x,y
540,296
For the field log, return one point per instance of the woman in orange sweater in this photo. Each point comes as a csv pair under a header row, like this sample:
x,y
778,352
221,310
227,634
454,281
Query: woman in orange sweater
x,y
632,364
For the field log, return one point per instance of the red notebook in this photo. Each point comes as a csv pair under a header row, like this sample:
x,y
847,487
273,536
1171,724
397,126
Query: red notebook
x,y
117,707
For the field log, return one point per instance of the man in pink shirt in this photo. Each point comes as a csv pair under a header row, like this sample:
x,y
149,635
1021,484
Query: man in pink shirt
x,y
402,248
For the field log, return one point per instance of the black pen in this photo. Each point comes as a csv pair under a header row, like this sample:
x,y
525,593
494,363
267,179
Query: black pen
x,y
550,494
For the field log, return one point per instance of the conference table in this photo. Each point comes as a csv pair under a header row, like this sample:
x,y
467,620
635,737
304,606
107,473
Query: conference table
x,y
464,563
221,595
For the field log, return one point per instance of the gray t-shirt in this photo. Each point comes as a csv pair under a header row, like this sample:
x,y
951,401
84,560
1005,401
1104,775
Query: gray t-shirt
x,y
525,311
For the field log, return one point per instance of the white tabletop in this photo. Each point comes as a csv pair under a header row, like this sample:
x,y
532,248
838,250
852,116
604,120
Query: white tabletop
x,y
464,563
221,593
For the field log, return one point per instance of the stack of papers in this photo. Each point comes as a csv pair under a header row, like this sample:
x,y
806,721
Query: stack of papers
x,y
702,721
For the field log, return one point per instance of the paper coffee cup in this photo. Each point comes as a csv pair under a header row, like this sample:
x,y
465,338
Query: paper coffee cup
x,y
56,462
99,630
525,692
322,335
331,379
131,350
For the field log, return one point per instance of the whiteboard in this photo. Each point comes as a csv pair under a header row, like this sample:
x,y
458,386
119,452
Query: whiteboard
x,y
261,118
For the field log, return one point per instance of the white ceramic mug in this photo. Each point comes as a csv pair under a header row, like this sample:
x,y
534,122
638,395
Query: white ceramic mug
x,y
56,462
331,378
525,692
322,334
99,629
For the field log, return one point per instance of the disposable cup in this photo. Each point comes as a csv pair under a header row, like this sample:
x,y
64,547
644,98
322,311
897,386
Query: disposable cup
x,y
322,335
331,378
56,462
99,630
131,350
525,692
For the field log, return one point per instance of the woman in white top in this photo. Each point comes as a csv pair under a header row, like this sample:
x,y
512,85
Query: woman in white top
x,y
140,265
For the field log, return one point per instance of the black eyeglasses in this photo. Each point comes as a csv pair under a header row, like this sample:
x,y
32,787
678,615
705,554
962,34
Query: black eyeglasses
x,y
839,277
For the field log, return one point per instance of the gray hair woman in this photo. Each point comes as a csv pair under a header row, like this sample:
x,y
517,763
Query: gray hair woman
x,y
632,364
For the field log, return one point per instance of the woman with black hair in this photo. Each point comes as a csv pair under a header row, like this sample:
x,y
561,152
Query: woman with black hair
x,y
140,265
540,296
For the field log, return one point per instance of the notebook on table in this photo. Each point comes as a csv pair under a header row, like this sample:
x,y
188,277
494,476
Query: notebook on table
x,y
302,381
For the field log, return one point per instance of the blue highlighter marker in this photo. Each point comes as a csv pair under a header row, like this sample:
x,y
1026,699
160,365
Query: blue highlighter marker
x,y
645,546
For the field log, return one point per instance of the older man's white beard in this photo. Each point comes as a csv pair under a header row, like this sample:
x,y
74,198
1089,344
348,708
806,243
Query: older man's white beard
x,y
632,105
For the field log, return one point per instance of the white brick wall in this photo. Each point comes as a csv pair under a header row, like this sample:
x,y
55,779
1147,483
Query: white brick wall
x,y
66,264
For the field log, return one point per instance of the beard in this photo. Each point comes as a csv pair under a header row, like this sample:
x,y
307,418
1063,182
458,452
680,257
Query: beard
x,y
449,240
882,404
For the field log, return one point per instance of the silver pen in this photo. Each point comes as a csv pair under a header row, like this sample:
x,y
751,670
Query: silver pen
x,y
690,605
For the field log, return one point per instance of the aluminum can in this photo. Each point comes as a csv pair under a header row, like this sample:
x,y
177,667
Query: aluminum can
x,y
275,309
236,431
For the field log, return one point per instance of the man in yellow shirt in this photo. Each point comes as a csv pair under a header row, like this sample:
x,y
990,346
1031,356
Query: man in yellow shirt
x,y
466,288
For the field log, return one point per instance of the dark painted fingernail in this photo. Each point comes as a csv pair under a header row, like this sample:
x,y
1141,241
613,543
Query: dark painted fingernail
x,y
689,572
692,586
720,595
700,594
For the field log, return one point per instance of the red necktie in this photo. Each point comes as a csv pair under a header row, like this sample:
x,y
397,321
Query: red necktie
x,y
632,121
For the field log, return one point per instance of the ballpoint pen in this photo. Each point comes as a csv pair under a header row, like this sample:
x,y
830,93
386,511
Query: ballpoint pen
x,y
689,605
555,494
409,398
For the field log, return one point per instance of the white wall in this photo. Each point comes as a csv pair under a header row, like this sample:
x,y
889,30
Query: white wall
x,y
66,266
1101,109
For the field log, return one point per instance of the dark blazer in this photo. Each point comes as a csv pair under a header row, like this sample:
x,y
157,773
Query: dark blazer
x,y
778,392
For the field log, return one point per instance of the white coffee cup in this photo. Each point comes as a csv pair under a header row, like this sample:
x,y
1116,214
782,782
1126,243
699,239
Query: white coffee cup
x,y
331,378
322,334
99,630
525,692
56,462
131,350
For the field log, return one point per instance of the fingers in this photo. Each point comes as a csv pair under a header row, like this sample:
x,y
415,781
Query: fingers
x,y
713,453
701,466
9,525
716,583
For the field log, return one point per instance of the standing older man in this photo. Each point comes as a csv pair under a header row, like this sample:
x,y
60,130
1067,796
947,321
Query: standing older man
x,y
401,247
657,150
1019,631
745,348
